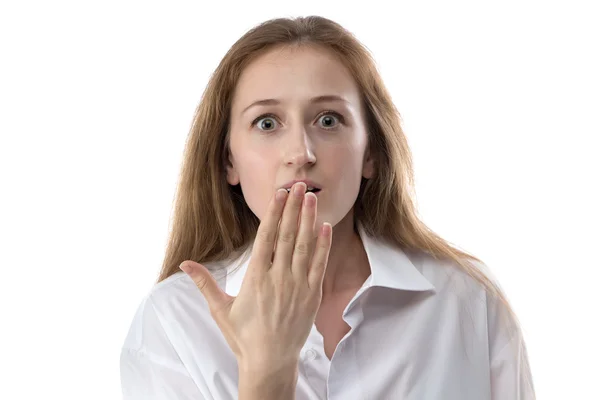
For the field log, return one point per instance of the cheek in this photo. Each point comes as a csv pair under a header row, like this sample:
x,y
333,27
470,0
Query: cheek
x,y
253,168
257,180
345,170
257,201
344,162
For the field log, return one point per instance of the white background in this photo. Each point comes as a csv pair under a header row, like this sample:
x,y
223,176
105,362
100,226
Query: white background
x,y
500,102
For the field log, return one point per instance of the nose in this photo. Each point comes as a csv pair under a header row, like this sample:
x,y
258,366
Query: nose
x,y
299,149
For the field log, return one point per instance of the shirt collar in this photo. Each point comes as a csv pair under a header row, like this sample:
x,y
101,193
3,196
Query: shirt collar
x,y
390,267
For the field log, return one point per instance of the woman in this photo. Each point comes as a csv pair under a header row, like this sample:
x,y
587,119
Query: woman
x,y
266,294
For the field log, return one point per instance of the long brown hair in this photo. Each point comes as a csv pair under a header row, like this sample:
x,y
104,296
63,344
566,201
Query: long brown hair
x,y
211,220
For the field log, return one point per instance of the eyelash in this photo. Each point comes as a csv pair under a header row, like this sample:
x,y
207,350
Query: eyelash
x,y
328,112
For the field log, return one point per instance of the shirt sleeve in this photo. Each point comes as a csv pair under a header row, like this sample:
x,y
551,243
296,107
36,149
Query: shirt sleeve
x,y
510,372
150,367
144,376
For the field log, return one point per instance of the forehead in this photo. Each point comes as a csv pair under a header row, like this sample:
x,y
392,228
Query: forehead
x,y
295,74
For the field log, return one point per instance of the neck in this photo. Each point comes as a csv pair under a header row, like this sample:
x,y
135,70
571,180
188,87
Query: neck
x,y
348,265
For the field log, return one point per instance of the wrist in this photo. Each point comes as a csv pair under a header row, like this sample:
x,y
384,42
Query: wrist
x,y
267,382
268,366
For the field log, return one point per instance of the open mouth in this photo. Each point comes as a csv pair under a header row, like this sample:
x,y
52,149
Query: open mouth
x,y
313,190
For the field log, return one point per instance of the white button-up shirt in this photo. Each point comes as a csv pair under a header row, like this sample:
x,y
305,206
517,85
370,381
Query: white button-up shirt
x,y
421,329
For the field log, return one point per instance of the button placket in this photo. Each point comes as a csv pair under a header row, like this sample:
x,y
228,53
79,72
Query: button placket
x,y
310,355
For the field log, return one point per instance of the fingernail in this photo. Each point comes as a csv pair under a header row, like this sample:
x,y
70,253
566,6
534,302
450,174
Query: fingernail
x,y
185,268
281,194
299,189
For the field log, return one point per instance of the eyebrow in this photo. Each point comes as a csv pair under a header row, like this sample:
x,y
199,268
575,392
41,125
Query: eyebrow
x,y
317,99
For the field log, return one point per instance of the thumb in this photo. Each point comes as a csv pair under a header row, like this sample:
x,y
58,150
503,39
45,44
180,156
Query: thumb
x,y
209,287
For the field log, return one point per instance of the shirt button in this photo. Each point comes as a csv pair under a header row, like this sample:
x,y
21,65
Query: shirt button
x,y
311,354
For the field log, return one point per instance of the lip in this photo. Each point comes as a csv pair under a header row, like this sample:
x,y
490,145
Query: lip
x,y
308,183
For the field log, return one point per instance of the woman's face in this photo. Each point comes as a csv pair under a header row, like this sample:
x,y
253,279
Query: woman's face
x,y
314,130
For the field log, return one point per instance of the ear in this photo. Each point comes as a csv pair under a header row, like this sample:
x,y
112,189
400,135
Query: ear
x,y
233,177
368,165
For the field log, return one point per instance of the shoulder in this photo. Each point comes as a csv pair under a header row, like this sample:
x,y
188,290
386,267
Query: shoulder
x,y
454,285
448,277
483,322
168,305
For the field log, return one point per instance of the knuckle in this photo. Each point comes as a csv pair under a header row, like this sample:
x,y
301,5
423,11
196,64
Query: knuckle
x,y
318,260
324,244
320,264
263,235
286,236
201,283
275,212
302,248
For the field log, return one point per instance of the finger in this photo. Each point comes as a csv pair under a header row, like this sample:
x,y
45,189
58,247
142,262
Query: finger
x,y
207,284
304,246
288,228
275,247
266,234
321,257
